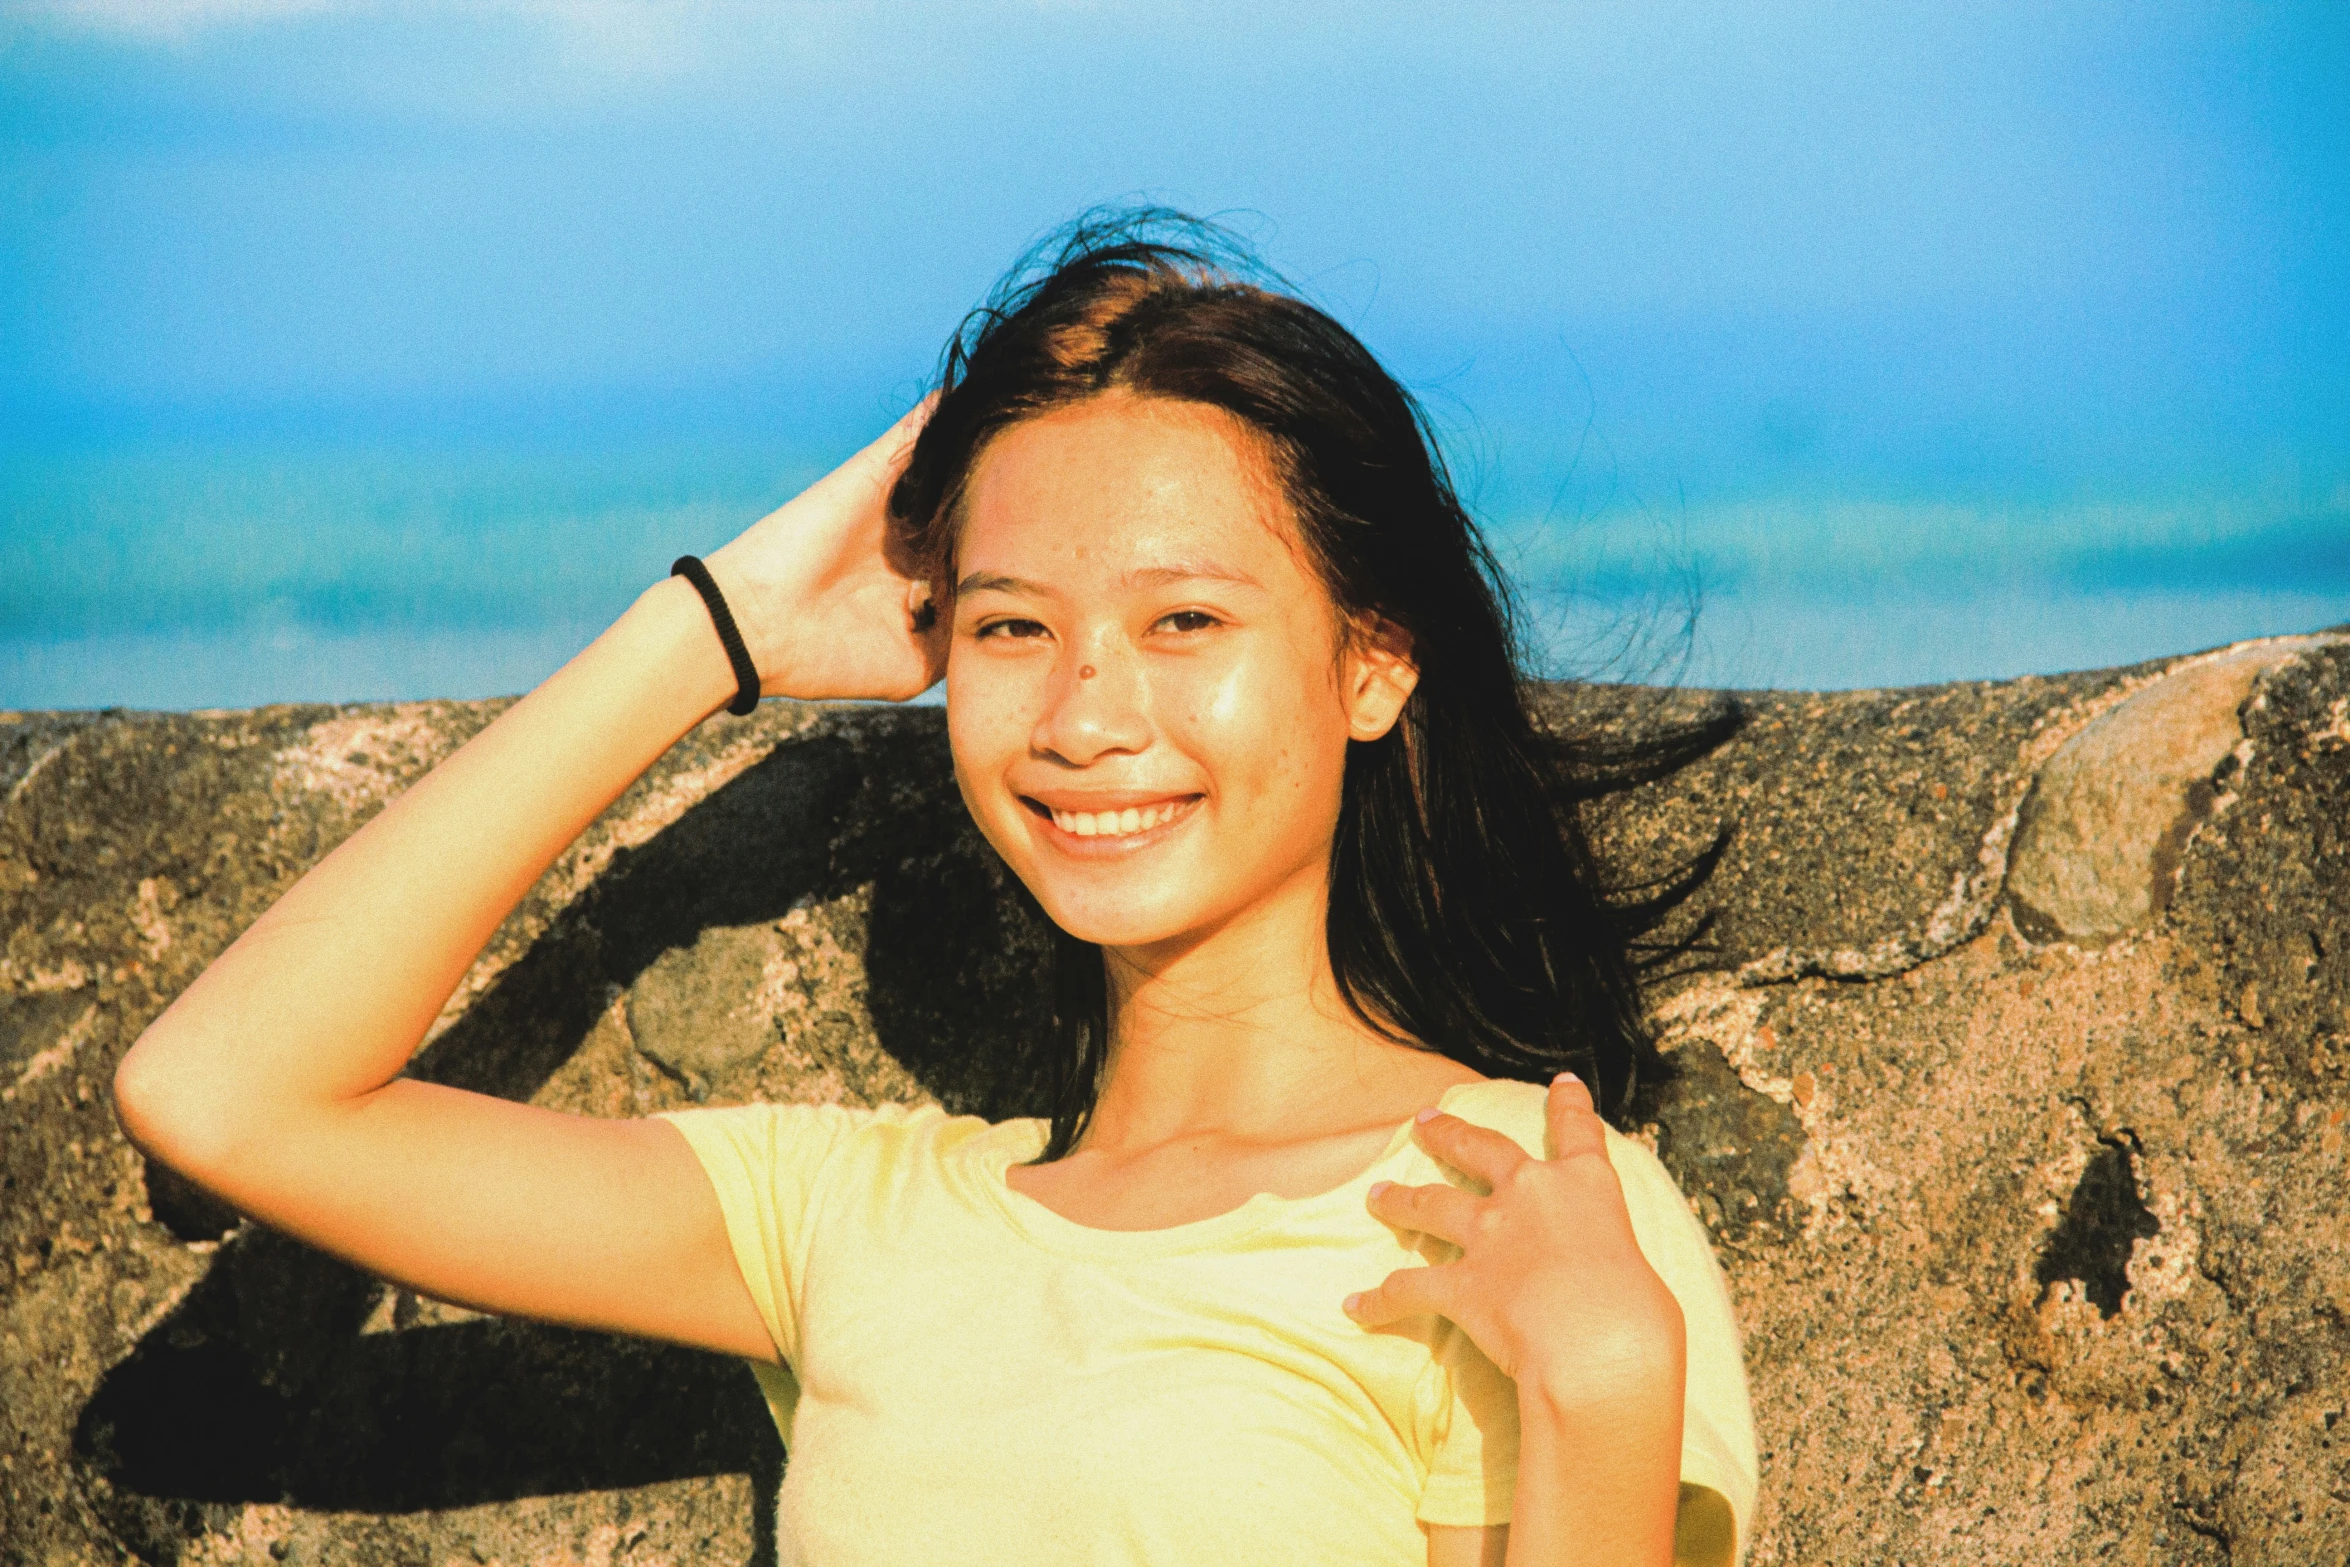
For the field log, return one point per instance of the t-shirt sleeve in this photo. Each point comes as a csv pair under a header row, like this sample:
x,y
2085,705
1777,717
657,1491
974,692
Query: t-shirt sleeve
x,y
1473,1411
1718,1462
766,1163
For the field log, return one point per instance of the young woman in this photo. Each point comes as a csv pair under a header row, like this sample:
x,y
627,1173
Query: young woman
x,y
1321,1256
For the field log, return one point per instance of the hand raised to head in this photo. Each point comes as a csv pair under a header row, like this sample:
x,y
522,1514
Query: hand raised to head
x,y
821,606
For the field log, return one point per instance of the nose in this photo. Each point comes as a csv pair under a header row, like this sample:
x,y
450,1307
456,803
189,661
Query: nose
x,y
1097,705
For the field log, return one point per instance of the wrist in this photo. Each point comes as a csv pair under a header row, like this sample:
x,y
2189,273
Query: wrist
x,y
755,621
1601,1378
673,642
730,637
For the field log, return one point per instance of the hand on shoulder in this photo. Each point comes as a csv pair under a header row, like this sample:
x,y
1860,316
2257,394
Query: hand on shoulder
x,y
1551,1283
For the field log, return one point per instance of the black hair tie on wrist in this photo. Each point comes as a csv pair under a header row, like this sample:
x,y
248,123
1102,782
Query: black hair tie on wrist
x,y
746,674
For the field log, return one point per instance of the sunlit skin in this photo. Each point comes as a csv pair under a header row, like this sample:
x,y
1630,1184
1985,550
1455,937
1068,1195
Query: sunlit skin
x,y
1135,627
1131,625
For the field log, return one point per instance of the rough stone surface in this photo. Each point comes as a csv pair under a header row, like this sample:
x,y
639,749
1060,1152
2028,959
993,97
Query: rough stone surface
x,y
2098,845
2039,1242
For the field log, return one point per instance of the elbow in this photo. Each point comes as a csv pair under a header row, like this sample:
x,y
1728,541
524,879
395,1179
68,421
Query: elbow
x,y
163,1112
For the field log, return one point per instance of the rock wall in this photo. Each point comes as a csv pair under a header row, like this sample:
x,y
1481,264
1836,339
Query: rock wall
x,y
2011,1043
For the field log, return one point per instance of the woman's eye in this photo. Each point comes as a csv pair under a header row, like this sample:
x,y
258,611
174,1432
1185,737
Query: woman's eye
x,y
1188,620
1012,628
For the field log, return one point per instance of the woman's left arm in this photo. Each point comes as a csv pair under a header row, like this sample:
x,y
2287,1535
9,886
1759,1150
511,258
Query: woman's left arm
x,y
1552,1286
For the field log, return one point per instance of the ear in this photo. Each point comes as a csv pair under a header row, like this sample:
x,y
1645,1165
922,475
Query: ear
x,y
1379,677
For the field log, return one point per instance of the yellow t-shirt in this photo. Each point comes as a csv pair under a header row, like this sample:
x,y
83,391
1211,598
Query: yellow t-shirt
x,y
975,1379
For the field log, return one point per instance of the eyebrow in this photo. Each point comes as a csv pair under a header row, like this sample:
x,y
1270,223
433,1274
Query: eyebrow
x,y
995,582
1146,576
1188,571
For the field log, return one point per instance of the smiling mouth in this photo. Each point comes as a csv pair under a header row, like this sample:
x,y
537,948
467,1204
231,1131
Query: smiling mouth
x,y
1129,822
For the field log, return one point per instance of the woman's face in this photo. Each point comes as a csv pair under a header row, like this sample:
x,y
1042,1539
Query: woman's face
x,y
1147,694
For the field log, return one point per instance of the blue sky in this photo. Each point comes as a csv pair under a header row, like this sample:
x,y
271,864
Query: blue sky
x,y
1814,305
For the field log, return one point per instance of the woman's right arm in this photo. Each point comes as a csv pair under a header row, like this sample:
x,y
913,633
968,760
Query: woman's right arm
x,y
273,1081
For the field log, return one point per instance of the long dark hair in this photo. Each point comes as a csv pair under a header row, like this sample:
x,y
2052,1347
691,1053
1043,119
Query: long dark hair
x,y
1466,913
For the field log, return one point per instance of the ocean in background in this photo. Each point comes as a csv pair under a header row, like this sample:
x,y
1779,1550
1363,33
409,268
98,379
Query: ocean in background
x,y
177,577
372,352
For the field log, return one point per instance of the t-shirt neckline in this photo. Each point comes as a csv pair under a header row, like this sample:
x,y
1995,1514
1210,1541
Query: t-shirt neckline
x,y
1022,1139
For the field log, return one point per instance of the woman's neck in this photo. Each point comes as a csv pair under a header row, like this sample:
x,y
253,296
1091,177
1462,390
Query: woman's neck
x,y
1240,1033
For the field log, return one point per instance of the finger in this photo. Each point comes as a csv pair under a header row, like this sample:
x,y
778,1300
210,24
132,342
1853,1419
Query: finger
x,y
898,440
1575,1126
1478,1152
1446,1212
880,460
1407,1292
909,423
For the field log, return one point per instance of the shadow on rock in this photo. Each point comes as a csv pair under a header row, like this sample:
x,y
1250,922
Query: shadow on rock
x,y
261,1387
264,1385
2104,1217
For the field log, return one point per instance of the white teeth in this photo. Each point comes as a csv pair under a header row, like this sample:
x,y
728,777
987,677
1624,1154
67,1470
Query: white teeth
x,y
1114,824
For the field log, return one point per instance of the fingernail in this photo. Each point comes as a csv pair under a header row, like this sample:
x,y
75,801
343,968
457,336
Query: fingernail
x,y
1352,1301
1566,1077
1379,1186
1429,1114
